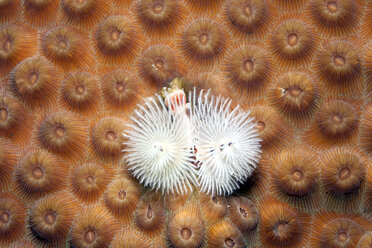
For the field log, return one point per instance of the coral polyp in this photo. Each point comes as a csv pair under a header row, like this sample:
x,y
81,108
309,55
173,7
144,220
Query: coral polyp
x,y
338,65
121,199
63,133
337,230
37,173
335,17
35,82
89,181
185,228
9,10
40,12
120,90
84,13
203,43
160,18
249,70
94,228
66,47
118,40
80,93
15,121
296,96
17,42
50,219
282,226
224,234
295,177
243,213
342,177
12,219
214,207
159,64
249,18
293,43
106,139
149,215
337,123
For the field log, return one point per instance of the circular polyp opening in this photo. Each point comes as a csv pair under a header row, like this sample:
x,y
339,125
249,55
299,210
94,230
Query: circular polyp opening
x,y
110,136
122,194
185,233
292,39
50,218
332,6
4,217
3,114
90,236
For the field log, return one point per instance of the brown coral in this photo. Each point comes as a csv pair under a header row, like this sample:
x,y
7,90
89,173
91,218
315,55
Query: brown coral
x,y
73,71
121,198
39,173
106,140
89,181
249,70
67,47
9,10
185,228
12,219
40,12
35,83
17,42
159,64
15,120
336,123
339,66
249,18
64,134
120,90
9,153
335,17
118,40
336,230
295,178
297,96
94,227
343,177
84,13
80,93
293,43
203,42
160,19
50,218
282,226
150,215
224,234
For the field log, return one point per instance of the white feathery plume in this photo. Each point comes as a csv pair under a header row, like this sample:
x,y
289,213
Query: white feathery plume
x,y
228,145
161,140
158,148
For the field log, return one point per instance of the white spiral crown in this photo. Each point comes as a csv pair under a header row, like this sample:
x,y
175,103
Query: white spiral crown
x,y
205,142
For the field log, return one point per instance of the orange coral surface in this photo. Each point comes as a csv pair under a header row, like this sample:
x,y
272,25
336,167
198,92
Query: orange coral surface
x,y
73,71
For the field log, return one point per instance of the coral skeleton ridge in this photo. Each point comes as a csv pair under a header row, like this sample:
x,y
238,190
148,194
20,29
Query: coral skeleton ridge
x,y
186,123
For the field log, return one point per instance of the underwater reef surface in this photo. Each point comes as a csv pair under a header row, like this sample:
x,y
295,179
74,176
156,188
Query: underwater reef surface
x,y
73,71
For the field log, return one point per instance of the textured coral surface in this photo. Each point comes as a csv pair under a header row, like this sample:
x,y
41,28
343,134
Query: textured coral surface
x,y
72,72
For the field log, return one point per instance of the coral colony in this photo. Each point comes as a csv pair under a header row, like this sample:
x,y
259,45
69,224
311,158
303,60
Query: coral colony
x,y
185,123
